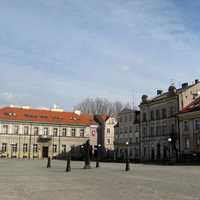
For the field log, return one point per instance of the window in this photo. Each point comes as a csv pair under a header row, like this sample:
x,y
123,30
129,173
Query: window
x,y
137,140
144,117
55,132
64,132
36,130
108,141
187,143
164,113
130,118
125,119
197,124
130,129
171,111
4,147
152,131
26,130
46,131
157,114
164,129
35,148
25,148
64,148
198,140
152,115
173,129
73,132
108,130
5,129
14,148
82,132
144,131
157,130
186,127
16,129
54,148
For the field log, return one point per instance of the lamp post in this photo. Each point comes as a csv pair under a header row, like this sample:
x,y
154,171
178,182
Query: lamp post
x,y
169,141
127,157
98,155
87,155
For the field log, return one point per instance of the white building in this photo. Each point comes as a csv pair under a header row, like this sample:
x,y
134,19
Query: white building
x,y
36,133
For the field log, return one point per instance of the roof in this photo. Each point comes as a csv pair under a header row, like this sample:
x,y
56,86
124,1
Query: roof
x,y
167,94
44,116
194,106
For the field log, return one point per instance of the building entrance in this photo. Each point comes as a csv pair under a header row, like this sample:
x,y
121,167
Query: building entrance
x,y
45,152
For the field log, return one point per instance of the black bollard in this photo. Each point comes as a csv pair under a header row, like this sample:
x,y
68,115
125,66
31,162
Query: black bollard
x,y
68,168
87,155
97,160
127,165
49,162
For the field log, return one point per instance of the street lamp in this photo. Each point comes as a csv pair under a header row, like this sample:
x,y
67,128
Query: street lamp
x,y
169,141
127,157
98,155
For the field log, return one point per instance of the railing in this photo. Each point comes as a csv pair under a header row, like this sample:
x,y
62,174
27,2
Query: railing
x,y
44,138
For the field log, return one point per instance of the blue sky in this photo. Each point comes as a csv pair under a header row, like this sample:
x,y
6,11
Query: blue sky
x,y
62,51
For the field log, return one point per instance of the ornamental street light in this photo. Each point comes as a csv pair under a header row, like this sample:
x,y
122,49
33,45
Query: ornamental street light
x,y
98,155
169,141
127,157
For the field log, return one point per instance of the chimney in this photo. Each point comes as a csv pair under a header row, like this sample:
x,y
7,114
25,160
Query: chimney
x,y
184,85
78,112
196,81
159,92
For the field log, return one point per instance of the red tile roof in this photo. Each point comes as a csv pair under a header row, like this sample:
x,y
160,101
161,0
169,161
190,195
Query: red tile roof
x,y
44,116
194,106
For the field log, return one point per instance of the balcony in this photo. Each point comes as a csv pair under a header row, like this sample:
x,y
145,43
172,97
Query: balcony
x,y
44,138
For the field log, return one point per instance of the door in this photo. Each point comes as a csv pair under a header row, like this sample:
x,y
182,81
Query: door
x,y
45,152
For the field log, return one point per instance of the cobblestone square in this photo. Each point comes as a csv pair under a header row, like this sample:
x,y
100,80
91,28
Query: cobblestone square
x,y
31,180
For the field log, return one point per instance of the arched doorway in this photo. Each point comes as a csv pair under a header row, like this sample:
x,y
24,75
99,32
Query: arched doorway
x,y
165,152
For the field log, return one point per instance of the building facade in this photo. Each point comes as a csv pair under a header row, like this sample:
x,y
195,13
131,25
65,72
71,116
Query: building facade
x,y
160,138
189,122
34,133
127,135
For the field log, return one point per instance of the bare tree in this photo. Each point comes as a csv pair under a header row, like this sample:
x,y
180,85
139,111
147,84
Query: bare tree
x,y
99,106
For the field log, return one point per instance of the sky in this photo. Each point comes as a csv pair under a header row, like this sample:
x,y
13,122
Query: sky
x,y
63,51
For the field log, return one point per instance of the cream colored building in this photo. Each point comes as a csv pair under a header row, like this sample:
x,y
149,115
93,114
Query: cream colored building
x,y
106,134
189,123
159,124
34,133
128,130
